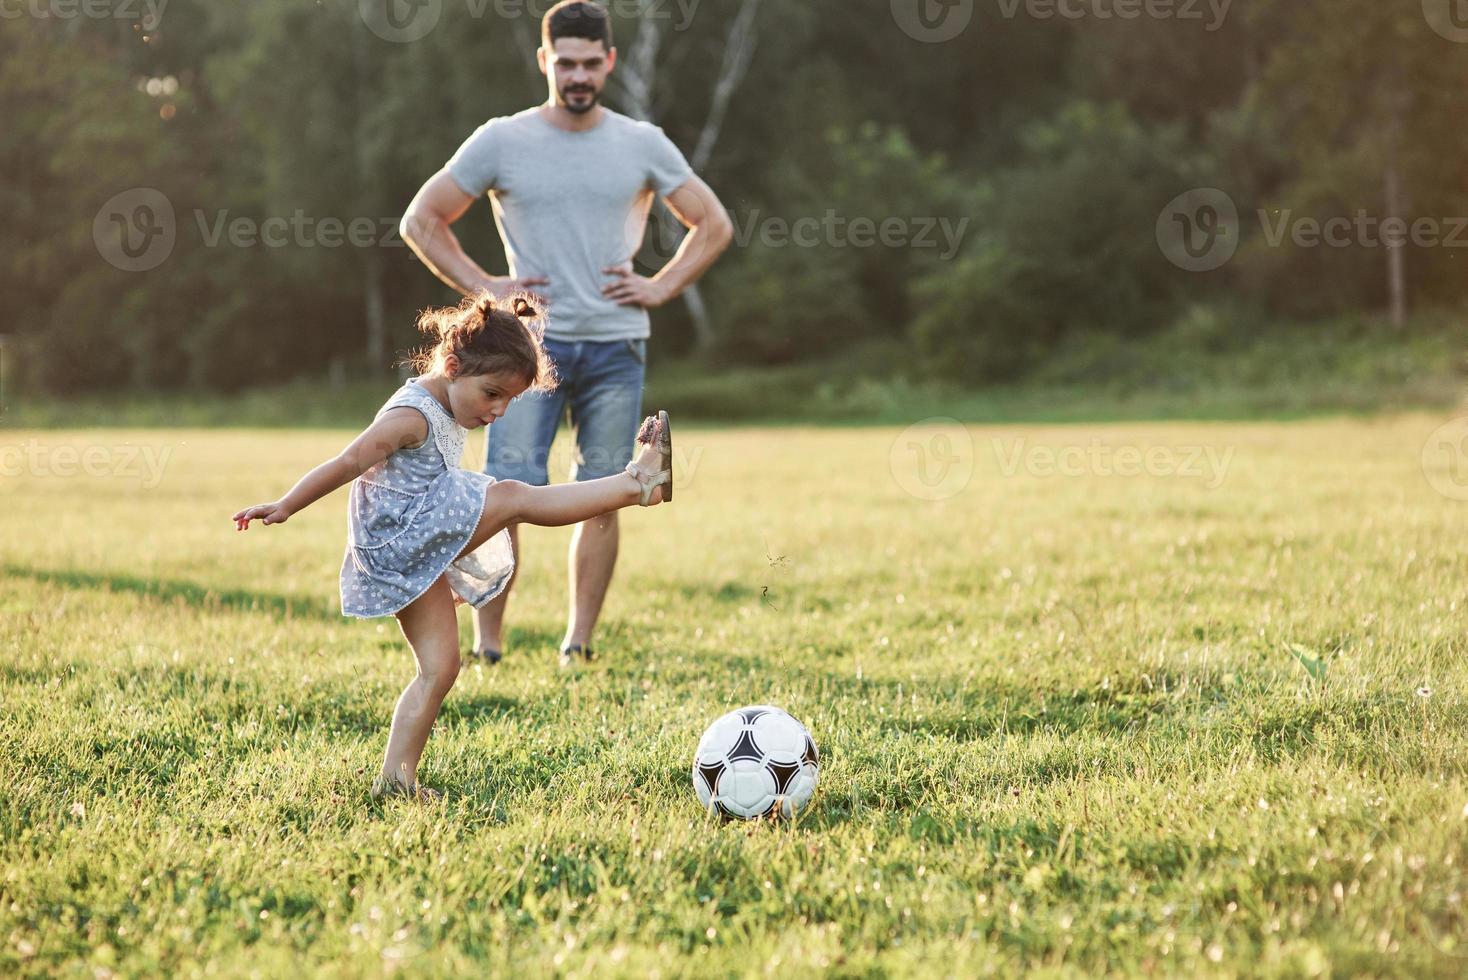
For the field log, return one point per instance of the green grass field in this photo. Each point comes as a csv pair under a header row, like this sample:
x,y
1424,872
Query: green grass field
x,y
1203,720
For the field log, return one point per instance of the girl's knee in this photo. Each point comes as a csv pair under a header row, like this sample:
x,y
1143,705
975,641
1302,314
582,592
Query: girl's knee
x,y
441,673
503,500
508,492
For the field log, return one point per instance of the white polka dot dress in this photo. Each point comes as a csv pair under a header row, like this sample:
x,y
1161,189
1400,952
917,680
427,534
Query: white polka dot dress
x,y
411,514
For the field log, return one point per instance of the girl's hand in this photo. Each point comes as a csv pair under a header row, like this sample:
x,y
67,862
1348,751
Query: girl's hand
x,y
266,513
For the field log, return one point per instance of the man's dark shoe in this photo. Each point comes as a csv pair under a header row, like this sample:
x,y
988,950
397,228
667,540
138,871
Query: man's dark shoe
x,y
571,655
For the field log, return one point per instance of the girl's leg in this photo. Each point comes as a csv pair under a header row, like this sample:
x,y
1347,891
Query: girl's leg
x,y
432,631
511,502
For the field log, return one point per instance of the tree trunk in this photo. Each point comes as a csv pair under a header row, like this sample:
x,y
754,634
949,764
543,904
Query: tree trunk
x,y
738,53
376,323
703,325
4,376
637,74
1396,272
375,349
1394,100
638,79
527,42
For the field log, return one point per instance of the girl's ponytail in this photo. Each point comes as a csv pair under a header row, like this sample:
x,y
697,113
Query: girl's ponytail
x,y
486,335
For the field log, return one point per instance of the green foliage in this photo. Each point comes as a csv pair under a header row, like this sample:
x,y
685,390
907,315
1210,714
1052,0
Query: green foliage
x,y
1067,243
804,280
1352,97
1053,143
1211,363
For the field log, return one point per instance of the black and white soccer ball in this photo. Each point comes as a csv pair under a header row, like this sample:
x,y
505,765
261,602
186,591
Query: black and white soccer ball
x,y
756,762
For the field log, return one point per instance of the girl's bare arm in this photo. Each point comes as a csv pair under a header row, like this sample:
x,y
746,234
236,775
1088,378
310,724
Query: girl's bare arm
x,y
399,428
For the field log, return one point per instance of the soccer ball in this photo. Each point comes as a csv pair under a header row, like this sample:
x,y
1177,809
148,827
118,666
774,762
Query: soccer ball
x,y
755,762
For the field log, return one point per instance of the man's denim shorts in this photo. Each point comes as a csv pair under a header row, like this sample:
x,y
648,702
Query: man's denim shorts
x,y
601,386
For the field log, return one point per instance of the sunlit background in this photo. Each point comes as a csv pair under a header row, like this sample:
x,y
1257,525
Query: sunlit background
x,y
931,197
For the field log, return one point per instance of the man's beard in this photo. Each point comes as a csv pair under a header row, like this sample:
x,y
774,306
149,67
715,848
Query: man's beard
x,y
580,109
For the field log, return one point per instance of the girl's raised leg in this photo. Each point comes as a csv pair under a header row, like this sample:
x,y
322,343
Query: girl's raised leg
x,y
432,630
510,502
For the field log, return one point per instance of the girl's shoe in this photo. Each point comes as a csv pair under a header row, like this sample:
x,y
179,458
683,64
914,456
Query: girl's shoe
x,y
656,431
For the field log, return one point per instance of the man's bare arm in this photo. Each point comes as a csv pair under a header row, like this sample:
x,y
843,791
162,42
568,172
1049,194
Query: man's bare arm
x,y
709,233
427,227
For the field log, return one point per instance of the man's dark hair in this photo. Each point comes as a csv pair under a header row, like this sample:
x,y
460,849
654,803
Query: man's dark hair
x,y
576,18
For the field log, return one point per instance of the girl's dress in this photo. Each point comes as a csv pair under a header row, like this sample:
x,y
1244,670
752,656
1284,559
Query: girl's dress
x,y
411,514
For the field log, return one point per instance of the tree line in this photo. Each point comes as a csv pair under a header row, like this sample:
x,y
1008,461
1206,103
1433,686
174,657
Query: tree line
x,y
205,195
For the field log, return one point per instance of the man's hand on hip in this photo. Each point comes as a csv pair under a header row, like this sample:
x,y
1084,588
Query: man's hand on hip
x,y
631,289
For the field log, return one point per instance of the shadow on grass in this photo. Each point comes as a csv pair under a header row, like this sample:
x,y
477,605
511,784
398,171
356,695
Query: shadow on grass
x,y
1224,715
16,674
723,592
189,593
474,708
523,644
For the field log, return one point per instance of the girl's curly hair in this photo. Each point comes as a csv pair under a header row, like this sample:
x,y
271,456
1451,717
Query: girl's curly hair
x,y
488,336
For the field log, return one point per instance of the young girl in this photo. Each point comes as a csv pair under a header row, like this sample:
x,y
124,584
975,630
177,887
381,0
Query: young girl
x,y
424,534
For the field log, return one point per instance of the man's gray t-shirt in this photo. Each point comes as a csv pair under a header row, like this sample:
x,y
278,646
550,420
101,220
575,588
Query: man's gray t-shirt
x,y
569,205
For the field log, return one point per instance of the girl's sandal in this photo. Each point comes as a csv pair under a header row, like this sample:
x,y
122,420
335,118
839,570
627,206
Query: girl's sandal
x,y
656,431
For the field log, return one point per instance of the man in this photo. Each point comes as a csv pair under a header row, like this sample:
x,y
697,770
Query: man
x,y
571,184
